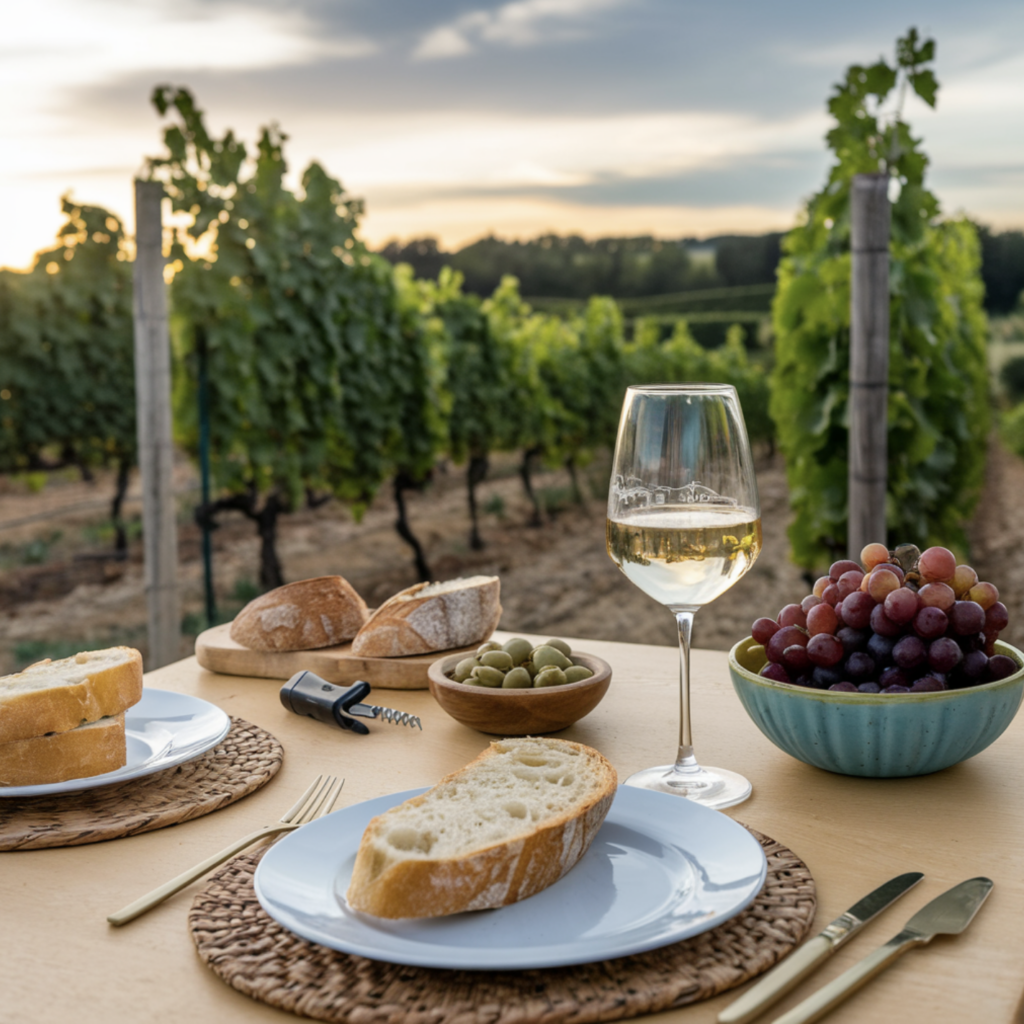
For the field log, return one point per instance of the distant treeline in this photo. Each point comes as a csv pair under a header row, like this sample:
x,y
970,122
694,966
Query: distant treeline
x,y
574,268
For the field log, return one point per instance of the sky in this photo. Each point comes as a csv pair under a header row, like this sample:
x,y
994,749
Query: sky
x,y
460,118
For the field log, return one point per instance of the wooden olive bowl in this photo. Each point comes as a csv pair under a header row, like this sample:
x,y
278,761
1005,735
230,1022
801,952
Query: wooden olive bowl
x,y
519,712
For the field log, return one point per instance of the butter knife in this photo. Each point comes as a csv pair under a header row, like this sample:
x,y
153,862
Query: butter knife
x,y
777,982
948,914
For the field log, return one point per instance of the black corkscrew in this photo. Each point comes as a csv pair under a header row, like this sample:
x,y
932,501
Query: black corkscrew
x,y
307,694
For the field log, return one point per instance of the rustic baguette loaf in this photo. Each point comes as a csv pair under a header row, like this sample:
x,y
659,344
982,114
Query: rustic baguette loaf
x,y
432,617
55,696
509,824
90,749
319,612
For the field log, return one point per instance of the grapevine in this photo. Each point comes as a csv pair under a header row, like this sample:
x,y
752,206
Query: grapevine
x,y
938,392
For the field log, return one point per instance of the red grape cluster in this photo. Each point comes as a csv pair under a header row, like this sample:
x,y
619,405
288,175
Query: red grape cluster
x,y
905,621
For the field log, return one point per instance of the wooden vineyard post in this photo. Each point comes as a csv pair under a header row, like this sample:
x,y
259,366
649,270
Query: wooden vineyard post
x,y
153,416
869,360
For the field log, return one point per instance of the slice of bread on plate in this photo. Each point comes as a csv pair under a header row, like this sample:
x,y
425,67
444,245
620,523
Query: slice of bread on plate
x,y
56,696
320,612
507,825
432,617
91,749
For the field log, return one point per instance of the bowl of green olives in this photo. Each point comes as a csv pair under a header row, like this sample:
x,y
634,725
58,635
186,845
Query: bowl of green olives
x,y
519,687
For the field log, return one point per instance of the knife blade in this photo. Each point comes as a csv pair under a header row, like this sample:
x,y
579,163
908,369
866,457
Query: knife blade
x,y
948,914
777,982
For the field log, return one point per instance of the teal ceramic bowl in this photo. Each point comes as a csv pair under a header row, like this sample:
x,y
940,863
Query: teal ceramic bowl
x,y
876,735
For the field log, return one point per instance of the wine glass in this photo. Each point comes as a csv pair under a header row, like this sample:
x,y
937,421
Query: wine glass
x,y
684,524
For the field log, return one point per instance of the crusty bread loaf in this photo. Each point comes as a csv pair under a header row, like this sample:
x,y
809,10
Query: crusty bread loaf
x,y
512,822
90,749
319,612
55,696
432,617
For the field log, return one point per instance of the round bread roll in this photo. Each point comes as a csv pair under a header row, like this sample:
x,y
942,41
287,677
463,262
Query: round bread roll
x,y
301,616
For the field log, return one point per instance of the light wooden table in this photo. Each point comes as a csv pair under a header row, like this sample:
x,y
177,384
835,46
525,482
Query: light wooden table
x,y
61,962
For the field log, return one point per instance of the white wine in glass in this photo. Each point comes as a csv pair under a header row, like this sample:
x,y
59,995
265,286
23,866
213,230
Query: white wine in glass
x,y
684,524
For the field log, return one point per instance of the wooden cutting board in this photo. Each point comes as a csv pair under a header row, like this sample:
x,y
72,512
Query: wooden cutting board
x,y
216,651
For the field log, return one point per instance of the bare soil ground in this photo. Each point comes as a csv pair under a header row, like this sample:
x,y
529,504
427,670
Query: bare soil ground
x,y
61,591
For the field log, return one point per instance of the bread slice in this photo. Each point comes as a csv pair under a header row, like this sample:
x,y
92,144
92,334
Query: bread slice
x,y
55,696
432,617
91,749
509,824
319,612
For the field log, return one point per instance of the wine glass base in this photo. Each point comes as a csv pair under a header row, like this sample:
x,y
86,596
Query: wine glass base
x,y
711,787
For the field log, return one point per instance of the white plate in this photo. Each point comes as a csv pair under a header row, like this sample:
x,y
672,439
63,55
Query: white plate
x,y
661,869
162,730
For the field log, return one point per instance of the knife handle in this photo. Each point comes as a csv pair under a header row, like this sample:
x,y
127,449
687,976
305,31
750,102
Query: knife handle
x,y
777,982
817,1005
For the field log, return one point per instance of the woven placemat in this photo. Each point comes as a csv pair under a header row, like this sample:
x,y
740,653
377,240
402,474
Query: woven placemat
x,y
246,948
246,759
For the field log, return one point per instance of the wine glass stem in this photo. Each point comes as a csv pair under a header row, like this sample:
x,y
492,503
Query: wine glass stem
x,y
684,619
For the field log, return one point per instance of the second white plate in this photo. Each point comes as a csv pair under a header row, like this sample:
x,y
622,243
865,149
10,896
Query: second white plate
x,y
163,730
660,870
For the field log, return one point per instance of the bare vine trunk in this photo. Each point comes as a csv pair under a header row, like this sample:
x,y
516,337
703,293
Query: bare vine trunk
x,y
116,507
404,482
475,475
525,469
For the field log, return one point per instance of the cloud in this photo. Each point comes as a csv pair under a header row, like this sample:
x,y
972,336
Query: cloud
x,y
520,23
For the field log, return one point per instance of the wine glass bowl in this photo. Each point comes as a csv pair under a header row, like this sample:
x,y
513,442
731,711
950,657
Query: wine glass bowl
x,y
684,524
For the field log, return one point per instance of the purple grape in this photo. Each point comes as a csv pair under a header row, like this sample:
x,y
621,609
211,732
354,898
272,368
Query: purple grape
x,y
997,617
853,639
763,630
882,624
967,618
909,651
869,688
928,684
844,687
824,677
880,648
1000,666
930,623
796,659
776,673
856,609
860,666
944,654
785,637
837,569
893,676
974,665
824,649
900,606
896,689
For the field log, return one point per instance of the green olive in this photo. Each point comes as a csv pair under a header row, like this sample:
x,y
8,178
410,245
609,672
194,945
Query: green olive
x,y
577,673
545,656
489,645
497,659
464,669
517,679
518,648
473,681
560,645
488,676
551,676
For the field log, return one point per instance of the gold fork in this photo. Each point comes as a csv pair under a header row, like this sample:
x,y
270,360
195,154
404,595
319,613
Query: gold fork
x,y
316,802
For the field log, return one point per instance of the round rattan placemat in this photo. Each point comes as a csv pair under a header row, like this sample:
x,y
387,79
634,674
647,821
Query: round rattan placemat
x,y
246,759
246,948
